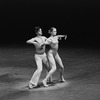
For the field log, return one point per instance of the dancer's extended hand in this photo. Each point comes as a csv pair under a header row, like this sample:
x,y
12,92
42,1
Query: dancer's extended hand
x,y
65,36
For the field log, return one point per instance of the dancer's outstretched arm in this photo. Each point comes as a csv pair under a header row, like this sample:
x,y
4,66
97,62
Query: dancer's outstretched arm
x,y
60,36
47,42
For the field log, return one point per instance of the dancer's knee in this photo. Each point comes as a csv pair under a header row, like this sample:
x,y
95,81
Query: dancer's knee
x,y
39,69
62,68
54,68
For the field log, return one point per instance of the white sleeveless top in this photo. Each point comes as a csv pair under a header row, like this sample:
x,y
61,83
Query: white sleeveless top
x,y
40,40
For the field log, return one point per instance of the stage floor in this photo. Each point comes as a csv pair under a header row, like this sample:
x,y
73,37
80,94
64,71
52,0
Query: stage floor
x,y
82,73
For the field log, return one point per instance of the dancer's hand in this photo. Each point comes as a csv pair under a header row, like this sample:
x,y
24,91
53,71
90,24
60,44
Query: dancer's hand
x,y
42,45
65,36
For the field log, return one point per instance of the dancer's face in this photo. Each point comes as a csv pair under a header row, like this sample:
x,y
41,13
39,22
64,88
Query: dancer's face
x,y
54,32
39,32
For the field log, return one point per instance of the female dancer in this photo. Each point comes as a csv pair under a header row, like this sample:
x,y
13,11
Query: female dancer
x,y
53,54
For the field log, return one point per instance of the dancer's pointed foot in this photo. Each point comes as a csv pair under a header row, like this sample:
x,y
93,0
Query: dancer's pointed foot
x,y
30,86
62,80
45,83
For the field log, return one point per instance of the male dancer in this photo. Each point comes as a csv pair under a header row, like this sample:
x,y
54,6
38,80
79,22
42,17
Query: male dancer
x,y
40,56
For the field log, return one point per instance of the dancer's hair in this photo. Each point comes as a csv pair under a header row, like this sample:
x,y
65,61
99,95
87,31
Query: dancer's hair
x,y
51,29
37,29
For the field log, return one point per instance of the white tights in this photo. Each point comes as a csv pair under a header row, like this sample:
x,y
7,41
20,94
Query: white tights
x,y
39,58
52,56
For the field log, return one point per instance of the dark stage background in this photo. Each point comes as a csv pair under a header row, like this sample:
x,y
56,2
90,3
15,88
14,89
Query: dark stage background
x,y
80,19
